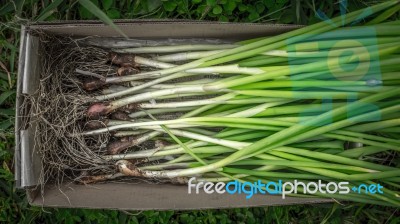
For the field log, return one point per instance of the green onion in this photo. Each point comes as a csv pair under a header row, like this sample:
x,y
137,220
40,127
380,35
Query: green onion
x,y
281,107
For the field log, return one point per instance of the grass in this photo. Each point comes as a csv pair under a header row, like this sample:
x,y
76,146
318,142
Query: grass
x,y
13,204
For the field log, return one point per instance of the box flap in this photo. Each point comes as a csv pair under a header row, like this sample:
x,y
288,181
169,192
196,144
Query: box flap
x,y
151,29
145,196
27,162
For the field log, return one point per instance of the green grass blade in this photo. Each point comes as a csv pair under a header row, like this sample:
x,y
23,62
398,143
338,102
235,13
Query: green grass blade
x,y
4,96
7,112
101,15
49,10
6,8
18,5
4,125
385,15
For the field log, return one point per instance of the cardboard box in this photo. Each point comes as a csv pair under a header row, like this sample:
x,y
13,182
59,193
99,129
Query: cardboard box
x,y
135,196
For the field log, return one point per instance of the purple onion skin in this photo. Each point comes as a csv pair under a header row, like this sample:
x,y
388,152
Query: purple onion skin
x,y
93,84
120,145
98,110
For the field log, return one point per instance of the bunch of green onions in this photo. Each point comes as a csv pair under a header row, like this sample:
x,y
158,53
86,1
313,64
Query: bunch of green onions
x,y
264,109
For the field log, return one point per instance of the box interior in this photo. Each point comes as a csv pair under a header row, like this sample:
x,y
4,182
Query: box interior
x,y
132,196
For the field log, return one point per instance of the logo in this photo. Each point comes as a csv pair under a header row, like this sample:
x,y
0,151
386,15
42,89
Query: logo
x,y
249,189
343,55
